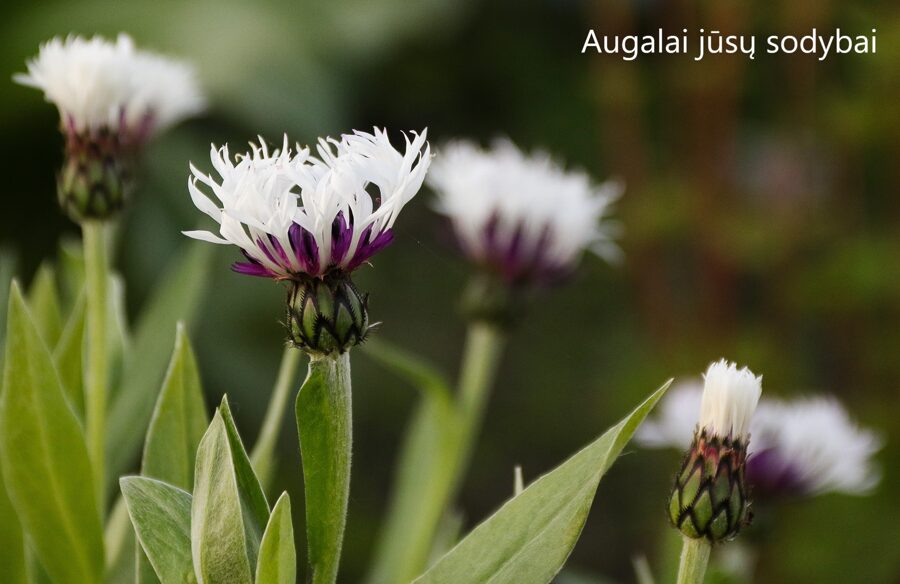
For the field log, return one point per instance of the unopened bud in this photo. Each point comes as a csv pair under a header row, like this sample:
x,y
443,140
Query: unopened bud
x,y
709,499
327,315
94,178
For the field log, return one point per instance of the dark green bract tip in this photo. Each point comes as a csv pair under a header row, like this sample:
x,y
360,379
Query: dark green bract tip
x,y
709,499
95,177
328,315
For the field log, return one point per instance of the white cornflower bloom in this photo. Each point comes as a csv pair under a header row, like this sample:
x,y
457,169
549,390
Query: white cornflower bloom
x,y
804,446
730,396
522,215
294,214
101,86
810,446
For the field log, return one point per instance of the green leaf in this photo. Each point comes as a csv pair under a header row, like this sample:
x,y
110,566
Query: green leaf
x,y
7,273
69,358
70,267
253,498
45,460
43,299
324,424
179,420
132,405
117,336
229,511
12,545
530,537
416,509
120,544
161,515
277,562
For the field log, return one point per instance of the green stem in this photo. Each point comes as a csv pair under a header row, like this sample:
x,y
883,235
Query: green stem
x,y
484,346
325,426
96,281
694,558
434,459
263,450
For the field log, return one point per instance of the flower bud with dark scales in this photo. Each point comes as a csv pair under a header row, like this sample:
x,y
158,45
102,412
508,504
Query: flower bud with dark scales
x,y
327,315
96,176
709,499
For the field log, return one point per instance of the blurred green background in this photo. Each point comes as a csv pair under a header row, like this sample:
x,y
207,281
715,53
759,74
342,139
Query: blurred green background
x,y
762,223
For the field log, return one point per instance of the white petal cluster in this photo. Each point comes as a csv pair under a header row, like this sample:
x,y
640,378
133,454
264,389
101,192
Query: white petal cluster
x,y
531,196
812,440
98,84
815,440
729,399
353,190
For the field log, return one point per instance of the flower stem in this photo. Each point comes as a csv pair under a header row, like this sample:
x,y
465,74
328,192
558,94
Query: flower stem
x,y
484,346
694,558
325,426
437,446
263,450
96,282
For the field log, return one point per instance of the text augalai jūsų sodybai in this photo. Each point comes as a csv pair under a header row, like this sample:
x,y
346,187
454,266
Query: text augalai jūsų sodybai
x,y
714,42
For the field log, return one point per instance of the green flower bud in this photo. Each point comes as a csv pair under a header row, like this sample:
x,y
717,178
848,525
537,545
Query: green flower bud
x,y
709,499
94,179
327,315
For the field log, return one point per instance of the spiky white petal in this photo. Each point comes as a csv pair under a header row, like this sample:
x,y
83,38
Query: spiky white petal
x,y
816,441
99,84
526,195
262,195
730,396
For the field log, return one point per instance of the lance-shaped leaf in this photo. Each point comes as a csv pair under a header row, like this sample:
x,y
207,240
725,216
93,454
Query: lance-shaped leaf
x,y
179,420
121,545
161,515
229,511
132,405
12,545
528,540
178,423
45,461
277,562
43,299
69,357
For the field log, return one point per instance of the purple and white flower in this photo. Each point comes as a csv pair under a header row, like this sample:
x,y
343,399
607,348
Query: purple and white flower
x,y
522,215
811,446
105,88
805,446
296,215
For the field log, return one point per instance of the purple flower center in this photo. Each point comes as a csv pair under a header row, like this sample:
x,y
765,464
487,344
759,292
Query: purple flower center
x,y
304,252
519,259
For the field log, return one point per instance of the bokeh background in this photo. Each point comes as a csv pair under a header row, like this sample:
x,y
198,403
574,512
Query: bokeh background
x,y
761,222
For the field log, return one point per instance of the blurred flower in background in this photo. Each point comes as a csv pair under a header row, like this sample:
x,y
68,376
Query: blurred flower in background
x,y
522,216
111,98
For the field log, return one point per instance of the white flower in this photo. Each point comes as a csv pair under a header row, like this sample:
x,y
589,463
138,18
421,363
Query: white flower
x,y
729,399
100,85
523,215
802,446
295,214
810,445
